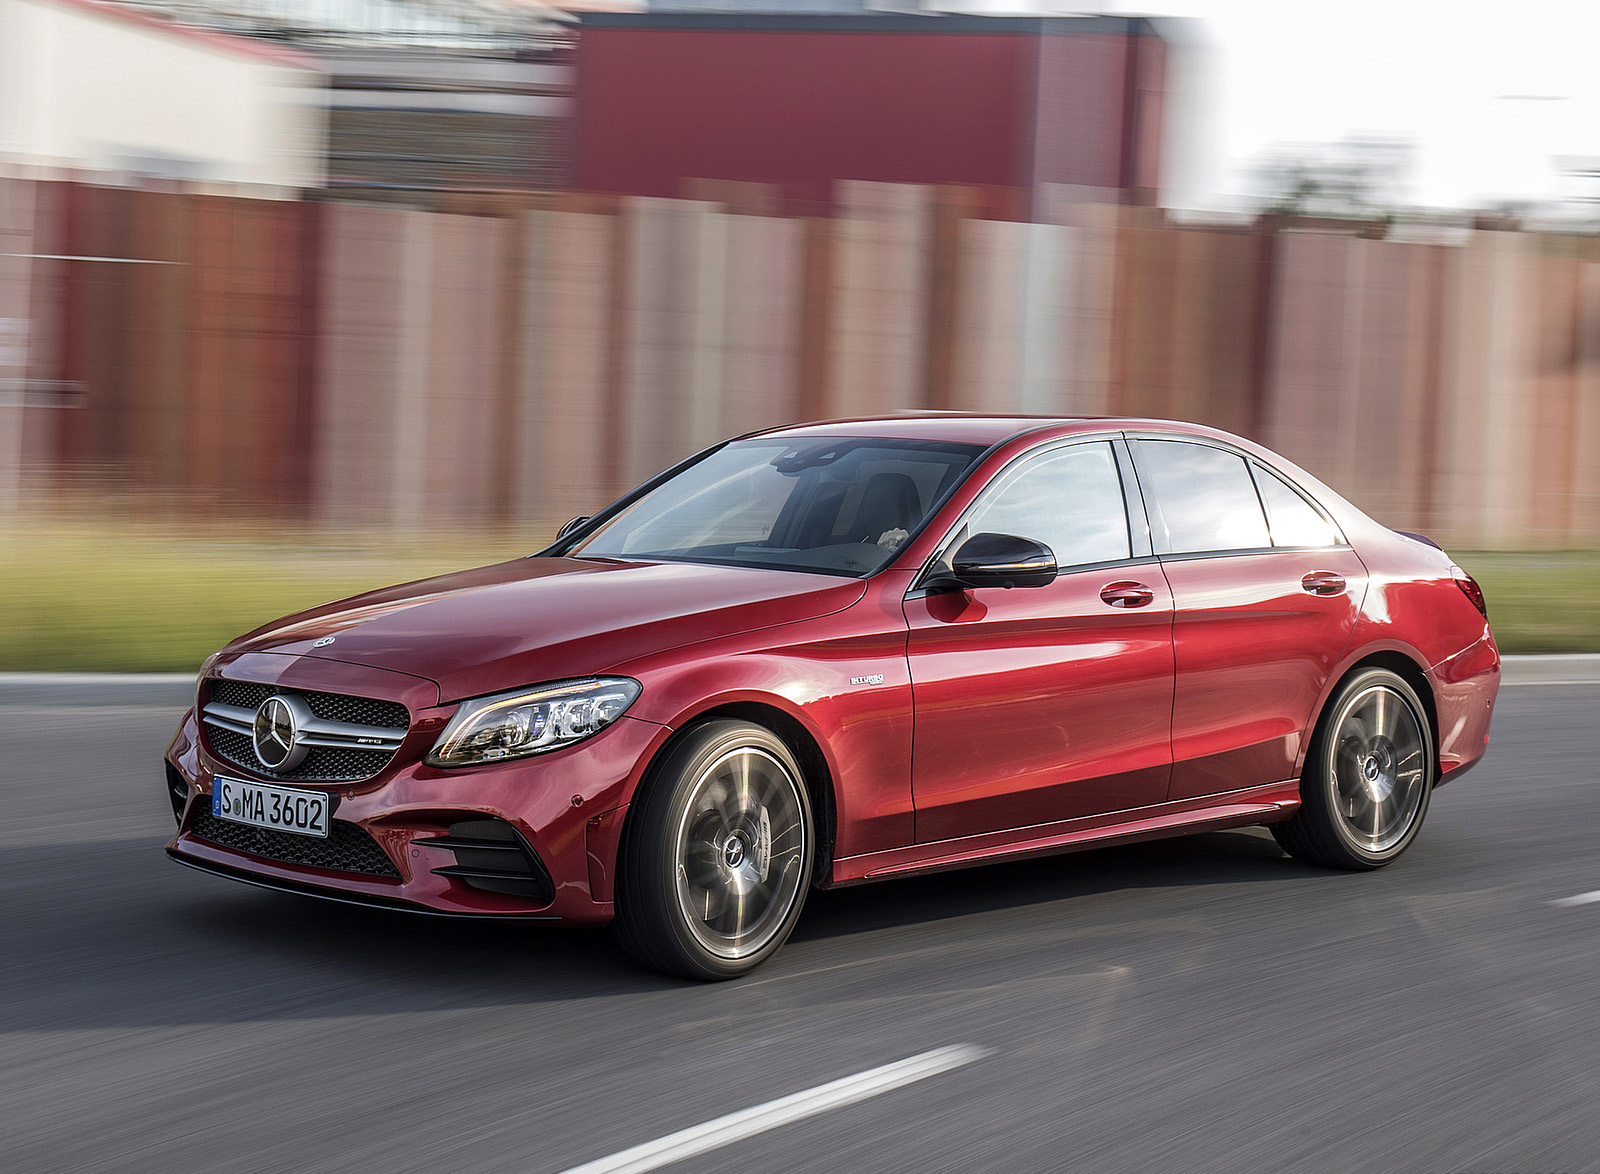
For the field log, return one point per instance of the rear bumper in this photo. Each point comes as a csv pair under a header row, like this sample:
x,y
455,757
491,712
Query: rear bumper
x,y
1464,688
563,806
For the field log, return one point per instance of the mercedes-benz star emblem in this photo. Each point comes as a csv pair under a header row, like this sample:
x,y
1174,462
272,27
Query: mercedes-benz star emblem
x,y
276,733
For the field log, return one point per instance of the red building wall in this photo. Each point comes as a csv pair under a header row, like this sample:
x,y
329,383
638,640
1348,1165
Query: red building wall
x,y
1098,110
803,102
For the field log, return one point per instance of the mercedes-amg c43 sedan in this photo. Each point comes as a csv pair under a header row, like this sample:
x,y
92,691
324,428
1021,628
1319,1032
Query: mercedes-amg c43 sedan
x,y
838,652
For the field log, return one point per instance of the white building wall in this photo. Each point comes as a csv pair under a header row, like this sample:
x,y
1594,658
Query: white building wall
x,y
84,85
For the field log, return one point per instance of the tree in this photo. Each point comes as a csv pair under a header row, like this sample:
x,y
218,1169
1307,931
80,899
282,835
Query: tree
x,y
1356,178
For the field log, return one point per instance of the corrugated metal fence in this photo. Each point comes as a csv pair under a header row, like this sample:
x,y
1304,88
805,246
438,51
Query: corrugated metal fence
x,y
361,365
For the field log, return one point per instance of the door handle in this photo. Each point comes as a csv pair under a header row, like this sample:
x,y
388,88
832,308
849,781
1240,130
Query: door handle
x,y
1126,594
1323,583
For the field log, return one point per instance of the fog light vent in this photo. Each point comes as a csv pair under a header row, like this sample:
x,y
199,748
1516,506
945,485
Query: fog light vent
x,y
492,856
177,791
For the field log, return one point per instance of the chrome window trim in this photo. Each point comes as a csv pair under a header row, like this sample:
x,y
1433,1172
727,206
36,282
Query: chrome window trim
x,y
1250,552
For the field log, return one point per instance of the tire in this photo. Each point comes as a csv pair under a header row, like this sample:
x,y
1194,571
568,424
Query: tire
x,y
1368,776
717,854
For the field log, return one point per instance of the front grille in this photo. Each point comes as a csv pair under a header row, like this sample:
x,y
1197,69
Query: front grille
x,y
338,707
320,766
347,849
323,764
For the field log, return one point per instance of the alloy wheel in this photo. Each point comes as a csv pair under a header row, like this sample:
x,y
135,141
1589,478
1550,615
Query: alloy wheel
x,y
1378,767
741,852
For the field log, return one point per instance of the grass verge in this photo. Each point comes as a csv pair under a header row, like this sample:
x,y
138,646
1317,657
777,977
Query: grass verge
x,y
84,597
1545,601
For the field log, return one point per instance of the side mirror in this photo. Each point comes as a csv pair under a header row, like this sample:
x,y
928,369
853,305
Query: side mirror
x,y
999,560
571,526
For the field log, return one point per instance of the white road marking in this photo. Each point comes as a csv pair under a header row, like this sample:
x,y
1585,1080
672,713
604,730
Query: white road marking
x,y
1580,899
686,1143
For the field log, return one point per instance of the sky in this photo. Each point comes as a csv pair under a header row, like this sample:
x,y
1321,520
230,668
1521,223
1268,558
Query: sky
x,y
1489,94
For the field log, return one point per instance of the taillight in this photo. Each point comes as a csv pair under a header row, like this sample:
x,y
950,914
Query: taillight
x,y
1469,588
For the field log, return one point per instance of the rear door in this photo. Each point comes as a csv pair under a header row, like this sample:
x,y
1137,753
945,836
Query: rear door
x,y
1045,703
1265,596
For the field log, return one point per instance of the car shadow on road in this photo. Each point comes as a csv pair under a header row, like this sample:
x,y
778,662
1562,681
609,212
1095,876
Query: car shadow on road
x,y
1229,857
113,935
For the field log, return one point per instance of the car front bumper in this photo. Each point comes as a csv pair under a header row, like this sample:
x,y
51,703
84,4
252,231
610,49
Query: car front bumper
x,y
567,807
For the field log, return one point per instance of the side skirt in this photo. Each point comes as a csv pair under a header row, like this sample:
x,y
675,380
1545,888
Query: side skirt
x,y
1254,805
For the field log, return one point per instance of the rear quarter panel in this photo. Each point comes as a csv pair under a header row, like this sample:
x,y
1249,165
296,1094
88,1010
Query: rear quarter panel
x,y
1414,608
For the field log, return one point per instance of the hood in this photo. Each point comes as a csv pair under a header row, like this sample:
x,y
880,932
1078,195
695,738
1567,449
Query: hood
x,y
542,619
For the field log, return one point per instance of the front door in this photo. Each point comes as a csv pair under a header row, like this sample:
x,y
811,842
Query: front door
x,y
1040,704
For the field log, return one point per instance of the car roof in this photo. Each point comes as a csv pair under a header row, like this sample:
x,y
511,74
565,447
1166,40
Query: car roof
x,y
976,428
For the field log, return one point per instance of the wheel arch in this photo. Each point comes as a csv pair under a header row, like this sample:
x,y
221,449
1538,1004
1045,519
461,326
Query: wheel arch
x,y
1404,666
816,774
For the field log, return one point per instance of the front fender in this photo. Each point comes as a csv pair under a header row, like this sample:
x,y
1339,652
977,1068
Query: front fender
x,y
843,678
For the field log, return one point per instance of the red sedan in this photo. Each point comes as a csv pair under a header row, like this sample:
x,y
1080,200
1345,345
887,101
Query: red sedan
x,y
836,652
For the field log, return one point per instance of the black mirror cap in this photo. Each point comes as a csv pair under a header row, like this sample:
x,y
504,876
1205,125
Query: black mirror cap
x,y
572,525
1001,560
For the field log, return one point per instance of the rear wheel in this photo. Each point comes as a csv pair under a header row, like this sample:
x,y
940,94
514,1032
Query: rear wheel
x,y
716,860
1368,776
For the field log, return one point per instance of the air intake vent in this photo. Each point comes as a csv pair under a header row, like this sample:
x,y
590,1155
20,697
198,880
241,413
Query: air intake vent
x,y
491,856
347,849
177,791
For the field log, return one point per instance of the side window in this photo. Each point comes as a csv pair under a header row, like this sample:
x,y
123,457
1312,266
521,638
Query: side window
x,y
1204,496
1294,520
1069,499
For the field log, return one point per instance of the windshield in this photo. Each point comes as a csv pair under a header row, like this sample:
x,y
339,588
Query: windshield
x,y
837,505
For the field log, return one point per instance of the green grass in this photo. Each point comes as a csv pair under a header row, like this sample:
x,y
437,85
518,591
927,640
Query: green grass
x,y
78,595
1540,601
90,597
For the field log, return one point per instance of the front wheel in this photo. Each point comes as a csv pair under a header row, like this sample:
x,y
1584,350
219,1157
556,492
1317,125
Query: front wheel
x,y
717,855
1368,777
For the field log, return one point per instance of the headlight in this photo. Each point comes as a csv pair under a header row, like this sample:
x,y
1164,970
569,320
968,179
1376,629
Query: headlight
x,y
531,721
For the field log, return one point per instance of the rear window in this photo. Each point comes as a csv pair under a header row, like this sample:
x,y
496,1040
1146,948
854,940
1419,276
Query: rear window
x,y
1204,496
1294,520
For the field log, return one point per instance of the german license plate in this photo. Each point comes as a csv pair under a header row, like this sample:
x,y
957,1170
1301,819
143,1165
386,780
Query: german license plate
x,y
283,809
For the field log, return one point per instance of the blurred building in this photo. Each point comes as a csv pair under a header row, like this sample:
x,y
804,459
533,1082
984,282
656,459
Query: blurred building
x,y
803,101
405,121
92,85
421,96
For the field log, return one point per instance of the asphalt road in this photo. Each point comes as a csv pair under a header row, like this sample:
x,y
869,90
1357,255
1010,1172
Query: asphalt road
x,y
1196,1005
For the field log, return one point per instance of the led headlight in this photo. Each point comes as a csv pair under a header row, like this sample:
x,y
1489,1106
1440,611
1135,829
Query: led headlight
x,y
532,720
